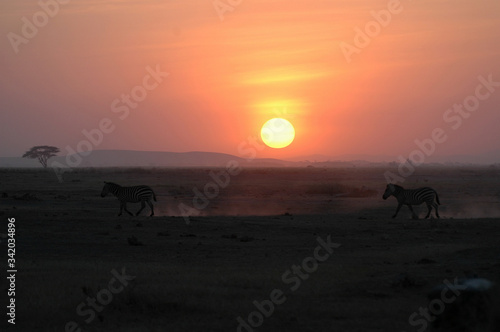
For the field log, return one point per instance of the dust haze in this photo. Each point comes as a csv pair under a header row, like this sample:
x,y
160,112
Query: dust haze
x,y
247,233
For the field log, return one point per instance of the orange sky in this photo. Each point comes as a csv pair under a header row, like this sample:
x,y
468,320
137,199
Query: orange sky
x,y
265,59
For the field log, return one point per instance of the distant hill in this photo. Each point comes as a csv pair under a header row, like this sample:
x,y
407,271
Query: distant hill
x,y
490,157
129,158
16,162
318,158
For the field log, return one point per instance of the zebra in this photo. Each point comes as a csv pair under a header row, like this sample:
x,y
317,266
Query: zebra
x,y
135,194
413,197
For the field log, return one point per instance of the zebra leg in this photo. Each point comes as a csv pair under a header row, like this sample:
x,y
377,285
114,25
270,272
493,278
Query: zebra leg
x,y
397,210
436,207
121,209
125,208
429,209
142,207
413,214
151,206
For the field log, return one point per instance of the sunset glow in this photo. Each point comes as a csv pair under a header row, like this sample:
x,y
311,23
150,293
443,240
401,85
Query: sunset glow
x,y
354,77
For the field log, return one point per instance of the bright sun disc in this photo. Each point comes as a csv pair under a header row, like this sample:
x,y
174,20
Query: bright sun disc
x,y
277,133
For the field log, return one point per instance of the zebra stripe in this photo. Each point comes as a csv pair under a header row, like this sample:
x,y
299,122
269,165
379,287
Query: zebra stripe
x,y
411,197
142,194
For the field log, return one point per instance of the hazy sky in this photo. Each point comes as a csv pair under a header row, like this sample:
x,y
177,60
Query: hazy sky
x,y
298,59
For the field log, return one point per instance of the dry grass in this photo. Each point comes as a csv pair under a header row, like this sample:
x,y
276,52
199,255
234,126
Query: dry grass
x,y
203,276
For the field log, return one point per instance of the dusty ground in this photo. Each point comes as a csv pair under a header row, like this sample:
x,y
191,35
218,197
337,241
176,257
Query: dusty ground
x,y
242,248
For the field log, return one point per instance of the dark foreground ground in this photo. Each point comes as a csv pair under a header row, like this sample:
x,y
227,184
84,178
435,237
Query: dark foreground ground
x,y
255,242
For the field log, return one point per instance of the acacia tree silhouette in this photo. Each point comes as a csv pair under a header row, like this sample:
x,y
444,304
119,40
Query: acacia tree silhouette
x,y
42,153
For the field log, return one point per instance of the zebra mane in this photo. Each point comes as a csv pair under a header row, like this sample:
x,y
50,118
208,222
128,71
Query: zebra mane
x,y
112,184
395,186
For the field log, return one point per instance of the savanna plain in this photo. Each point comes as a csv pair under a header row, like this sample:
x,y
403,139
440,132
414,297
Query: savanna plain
x,y
245,261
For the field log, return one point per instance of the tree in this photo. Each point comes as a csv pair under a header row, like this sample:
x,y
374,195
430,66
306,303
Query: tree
x,y
42,153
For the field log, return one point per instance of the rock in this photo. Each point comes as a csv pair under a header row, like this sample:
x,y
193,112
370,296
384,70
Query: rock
x,y
133,241
27,197
246,239
404,280
426,261
232,236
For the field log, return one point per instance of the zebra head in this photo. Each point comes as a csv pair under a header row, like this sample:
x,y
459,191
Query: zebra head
x,y
106,189
110,187
389,190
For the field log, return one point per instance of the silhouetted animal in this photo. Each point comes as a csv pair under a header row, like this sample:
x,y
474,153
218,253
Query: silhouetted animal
x,y
413,197
142,194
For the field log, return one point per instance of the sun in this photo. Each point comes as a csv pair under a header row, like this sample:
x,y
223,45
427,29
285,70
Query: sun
x,y
277,133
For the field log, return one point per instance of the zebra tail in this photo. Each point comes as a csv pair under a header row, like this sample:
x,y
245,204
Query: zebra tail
x,y
437,199
154,196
